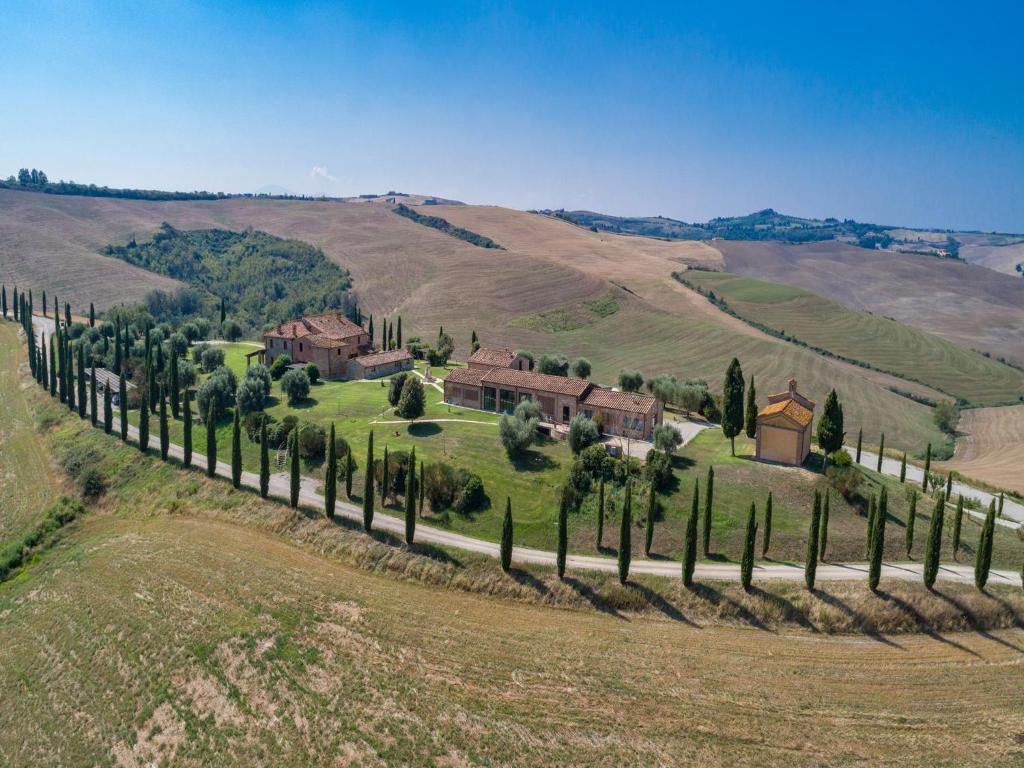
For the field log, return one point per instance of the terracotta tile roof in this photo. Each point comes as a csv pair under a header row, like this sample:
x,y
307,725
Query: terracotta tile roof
x,y
790,408
332,326
493,357
629,402
470,376
384,358
561,385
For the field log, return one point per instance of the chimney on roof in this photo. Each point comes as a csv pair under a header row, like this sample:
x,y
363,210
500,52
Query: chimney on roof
x,y
792,386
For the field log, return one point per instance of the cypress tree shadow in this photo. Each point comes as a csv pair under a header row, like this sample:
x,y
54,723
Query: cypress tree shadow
x,y
922,622
588,594
657,601
868,630
717,599
527,579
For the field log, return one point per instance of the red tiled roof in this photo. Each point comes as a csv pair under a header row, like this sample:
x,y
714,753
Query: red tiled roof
x,y
332,326
630,402
470,376
561,385
384,358
790,408
493,357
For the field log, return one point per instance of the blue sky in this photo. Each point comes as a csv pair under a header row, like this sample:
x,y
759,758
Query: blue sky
x,y
901,113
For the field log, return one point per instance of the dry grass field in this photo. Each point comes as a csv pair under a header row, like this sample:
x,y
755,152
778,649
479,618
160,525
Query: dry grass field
x,y
1004,258
969,305
991,447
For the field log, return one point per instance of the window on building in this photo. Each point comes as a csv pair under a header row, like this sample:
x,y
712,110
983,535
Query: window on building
x,y
490,395
508,401
300,346
525,396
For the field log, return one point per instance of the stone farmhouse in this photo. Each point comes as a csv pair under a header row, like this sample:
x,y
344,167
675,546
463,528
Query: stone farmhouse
x,y
497,380
340,348
784,427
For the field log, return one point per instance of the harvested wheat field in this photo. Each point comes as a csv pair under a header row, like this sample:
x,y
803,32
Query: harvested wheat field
x,y
991,447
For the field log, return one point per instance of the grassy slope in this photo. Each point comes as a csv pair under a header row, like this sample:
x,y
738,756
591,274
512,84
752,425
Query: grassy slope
x,y
878,341
179,622
26,479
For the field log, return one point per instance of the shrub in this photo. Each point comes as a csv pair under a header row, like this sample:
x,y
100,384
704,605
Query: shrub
x,y
946,416
312,440
91,482
219,390
254,421
398,465
667,438
845,480
279,366
840,458
75,330
582,433
295,385
177,344
191,332
203,325
596,461
313,372
450,488
581,368
278,434
553,364
658,469
232,330
518,432
78,458
186,374
577,483
470,496
212,359
260,373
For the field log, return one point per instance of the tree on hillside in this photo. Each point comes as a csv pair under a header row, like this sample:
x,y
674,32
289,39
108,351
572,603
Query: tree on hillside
x,y
600,514
223,311
932,548
811,560
143,423
732,403
881,453
368,486
350,471
211,441
830,426
122,406
563,530
903,468
398,334
81,380
410,493
750,418
983,557
946,416
908,533
174,385
860,441
652,510
747,561
877,544
92,315
690,540
767,526
927,467
581,368
165,437
331,474
296,485
236,450
108,410
3,301
630,380
823,543
506,537
625,531
93,406
958,520
709,498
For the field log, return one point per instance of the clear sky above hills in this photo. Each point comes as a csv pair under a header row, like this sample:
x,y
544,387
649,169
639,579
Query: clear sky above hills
x,y
901,113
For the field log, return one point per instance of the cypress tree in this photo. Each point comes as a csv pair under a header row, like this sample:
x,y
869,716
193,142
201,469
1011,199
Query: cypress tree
x,y
690,542
370,330
93,409
983,558
881,453
903,468
331,475
563,531
368,481
949,485
999,512
108,410
236,449
860,442
709,498
294,457
767,526
67,314
153,380
92,315
62,374
830,427
625,533
350,470
931,553
211,442
3,300
732,403
143,424
44,377
506,537
223,311
122,406
117,347
264,461
872,512
410,499
908,534
174,384
823,544
958,519
751,414
398,341
747,562
81,381
45,308
927,467
385,479
811,562
14,302
877,544
422,488
165,435
652,508
53,368
70,358
600,508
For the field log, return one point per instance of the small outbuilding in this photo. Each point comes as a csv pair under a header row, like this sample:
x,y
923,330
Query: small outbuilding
x,y
784,427
379,364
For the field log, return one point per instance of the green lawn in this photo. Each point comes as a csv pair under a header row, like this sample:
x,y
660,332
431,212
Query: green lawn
x,y
885,344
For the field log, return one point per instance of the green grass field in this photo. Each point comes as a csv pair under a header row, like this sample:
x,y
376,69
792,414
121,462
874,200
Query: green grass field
x,y
885,344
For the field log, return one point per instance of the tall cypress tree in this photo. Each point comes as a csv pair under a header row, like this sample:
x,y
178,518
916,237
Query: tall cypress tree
x,y
830,426
881,453
983,558
108,409
625,534
563,532
600,509
143,424
350,471
295,482
398,341
45,307
811,562
652,509
385,478
44,378
264,461
506,537
958,519
117,346
3,300
165,434
174,384
823,544
999,512
93,409
422,489
53,368
211,442
931,553
186,424
410,499
750,417
81,381
949,485
70,358
732,403
747,562
236,450
709,500
877,544
908,534
903,468
223,311
122,406
872,512
927,467
767,539
331,475
368,483
690,541
67,314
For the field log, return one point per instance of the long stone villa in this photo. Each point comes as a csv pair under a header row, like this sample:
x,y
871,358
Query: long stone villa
x,y
498,380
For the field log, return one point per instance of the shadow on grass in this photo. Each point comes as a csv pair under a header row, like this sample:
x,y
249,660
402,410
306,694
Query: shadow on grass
x,y
424,429
835,602
435,553
660,603
533,461
717,599
527,579
588,594
922,623
683,462
304,405
965,611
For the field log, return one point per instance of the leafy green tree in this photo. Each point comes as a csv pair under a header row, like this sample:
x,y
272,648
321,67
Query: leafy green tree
x,y
667,438
581,368
813,534
709,499
236,450
732,403
295,385
690,541
108,410
625,533
958,520
652,509
908,533
630,381
767,526
983,557
413,400
830,426
293,498
881,453
932,548
600,514
582,433
368,483
165,437
211,442
264,460
410,498
331,474
927,467
563,531
122,406
506,536
747,562
823,544
751,415
143,423
860,442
